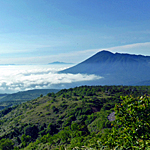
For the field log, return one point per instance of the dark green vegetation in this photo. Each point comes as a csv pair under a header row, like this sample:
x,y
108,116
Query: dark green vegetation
x,y
131,129
8,100
2,105
77,117
117,69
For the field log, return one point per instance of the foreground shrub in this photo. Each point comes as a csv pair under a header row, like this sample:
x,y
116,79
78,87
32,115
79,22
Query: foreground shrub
x,y
6,144
131,128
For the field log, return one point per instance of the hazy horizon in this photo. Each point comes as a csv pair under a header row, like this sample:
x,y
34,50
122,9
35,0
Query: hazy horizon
x,y
39,32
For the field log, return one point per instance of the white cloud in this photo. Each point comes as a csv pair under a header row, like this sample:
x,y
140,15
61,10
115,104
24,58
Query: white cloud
x,y
23,43
20,48
70,57
77,56
18,78
136,48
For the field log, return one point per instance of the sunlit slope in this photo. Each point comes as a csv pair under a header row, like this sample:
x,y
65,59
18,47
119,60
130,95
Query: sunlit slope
x,y
27,95
9,100
88,106
85,105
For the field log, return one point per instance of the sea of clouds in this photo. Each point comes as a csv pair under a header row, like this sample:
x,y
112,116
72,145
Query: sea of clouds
x,y
14,78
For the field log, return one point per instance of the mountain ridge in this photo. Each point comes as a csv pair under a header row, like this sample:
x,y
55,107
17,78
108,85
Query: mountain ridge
x,y
115,68
9,100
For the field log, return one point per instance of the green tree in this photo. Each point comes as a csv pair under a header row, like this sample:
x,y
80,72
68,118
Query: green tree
x,y
6,144
51,129
131,128
25,139
65,135
31,130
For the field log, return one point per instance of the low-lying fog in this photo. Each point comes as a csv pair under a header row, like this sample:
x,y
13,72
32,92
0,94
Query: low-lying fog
x,y
14,78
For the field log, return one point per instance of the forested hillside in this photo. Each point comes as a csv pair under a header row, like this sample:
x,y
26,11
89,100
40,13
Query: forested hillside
x,y
75,117
9,100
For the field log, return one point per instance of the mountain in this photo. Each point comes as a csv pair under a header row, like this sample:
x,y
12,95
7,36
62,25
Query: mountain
x,y
27,95
70,118
59,63
7,100
115,68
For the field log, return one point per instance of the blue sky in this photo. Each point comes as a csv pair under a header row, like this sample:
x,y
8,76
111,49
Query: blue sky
x,y
43,31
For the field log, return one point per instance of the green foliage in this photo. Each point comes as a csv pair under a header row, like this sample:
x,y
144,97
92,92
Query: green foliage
x,y
9,100
6,144
46,138
65,136
131,128
73,117
41,95
31,130
51,129
25,139
7,110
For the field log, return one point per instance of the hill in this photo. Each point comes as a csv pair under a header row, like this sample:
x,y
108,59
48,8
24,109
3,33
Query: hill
x,y
69,118
116,69
7,100
59,63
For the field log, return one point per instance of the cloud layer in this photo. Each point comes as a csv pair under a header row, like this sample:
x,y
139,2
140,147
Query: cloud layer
x,y
136,48
20,78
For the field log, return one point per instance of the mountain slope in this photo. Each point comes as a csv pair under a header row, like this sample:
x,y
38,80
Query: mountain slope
x,y
69,117
27,95
16,98
123,69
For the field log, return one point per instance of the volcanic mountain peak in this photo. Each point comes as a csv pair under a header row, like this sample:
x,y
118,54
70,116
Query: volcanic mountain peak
x,y
115,68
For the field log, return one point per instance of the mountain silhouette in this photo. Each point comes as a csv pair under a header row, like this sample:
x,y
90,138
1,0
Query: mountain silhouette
x,y
115,68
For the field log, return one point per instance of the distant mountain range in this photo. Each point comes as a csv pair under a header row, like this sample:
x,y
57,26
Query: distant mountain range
x,y
115,68
59,63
